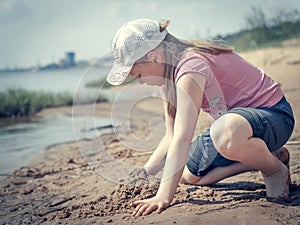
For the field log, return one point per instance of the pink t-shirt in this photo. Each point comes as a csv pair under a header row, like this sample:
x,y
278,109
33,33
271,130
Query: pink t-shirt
x,y
231,82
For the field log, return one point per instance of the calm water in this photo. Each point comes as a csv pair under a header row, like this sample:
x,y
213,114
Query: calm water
x,y
54,80
20,142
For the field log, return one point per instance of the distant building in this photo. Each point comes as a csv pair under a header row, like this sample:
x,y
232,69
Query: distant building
x,y
69,59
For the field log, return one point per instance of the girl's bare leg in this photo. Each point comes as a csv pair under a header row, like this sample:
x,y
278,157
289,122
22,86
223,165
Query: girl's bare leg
x,y
215,175
221,173
232,136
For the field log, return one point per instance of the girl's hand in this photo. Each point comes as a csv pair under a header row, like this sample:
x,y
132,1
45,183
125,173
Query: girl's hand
x,y
145,207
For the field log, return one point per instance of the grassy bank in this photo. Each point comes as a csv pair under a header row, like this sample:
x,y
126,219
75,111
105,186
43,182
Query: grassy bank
x,y
20,102
24,103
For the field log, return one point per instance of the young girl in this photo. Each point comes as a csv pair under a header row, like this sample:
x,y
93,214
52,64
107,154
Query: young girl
x,y
253,120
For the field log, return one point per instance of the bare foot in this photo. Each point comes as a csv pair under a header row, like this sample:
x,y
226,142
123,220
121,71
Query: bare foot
x,y
283,155
277,184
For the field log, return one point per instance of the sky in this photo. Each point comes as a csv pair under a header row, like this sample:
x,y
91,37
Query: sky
x,y
41,31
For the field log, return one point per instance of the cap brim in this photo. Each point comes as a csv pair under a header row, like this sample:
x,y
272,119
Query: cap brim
x,y
118,74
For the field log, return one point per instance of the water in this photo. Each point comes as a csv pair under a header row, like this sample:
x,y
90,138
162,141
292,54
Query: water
x,y
53,80
21,141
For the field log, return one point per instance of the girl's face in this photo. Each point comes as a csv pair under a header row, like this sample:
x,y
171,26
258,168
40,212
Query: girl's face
x,y
149,72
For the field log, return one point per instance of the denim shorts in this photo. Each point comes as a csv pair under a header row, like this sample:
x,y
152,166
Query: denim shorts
x,y
274,125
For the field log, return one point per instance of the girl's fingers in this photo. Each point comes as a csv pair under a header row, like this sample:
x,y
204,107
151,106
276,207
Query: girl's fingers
x,y
141,210
159,208
145,207
133,204
149,209
137,209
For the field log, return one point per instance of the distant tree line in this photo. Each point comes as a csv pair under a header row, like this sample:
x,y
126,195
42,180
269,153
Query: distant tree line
x,y
264,31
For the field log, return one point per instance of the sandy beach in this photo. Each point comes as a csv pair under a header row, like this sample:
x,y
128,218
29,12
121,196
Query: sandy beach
x,y
72,184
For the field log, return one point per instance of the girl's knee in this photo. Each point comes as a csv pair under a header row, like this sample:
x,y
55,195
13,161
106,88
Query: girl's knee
x,y
228,134
221,136
188,177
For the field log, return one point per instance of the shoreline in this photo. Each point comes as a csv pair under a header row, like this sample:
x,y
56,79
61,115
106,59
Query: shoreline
x,y
46,129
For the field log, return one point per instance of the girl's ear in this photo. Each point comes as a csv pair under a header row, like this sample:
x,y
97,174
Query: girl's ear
x,y
154,56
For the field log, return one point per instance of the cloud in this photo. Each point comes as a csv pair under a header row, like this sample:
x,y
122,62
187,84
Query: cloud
x,y
12,12
5,5
44,30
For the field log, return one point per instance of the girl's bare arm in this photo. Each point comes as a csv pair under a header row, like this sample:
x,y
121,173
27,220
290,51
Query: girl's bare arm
x,y
189,101
157,160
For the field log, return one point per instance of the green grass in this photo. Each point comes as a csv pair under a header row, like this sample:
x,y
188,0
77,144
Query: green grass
x,y
20,102
247,40
24,103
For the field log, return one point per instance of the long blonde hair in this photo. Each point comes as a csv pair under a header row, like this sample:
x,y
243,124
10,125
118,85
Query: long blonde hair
x,y
173,47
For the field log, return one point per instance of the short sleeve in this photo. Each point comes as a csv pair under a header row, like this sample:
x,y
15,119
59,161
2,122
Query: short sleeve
x,y
213,101
193,63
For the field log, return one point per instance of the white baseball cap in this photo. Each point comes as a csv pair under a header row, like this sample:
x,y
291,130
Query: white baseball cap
x,y
133,41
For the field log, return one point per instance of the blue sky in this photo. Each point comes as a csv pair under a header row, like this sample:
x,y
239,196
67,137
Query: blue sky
x,y
41,31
